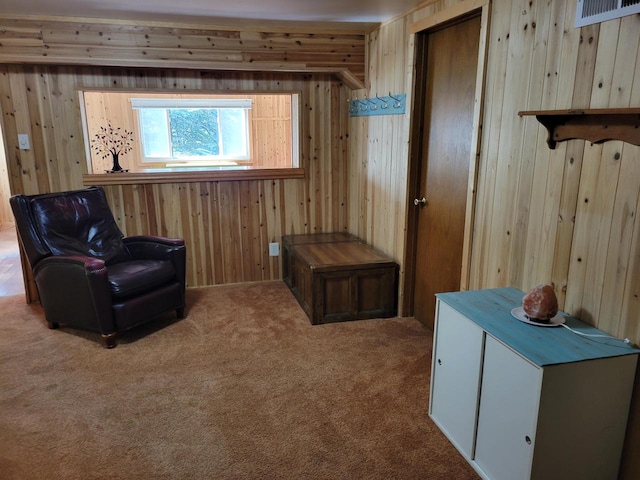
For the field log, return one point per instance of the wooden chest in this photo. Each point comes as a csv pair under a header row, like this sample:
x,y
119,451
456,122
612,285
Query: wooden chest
x,y
338,277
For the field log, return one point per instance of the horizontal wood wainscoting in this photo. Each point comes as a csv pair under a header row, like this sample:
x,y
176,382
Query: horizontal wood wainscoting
x,y
227,223
286,47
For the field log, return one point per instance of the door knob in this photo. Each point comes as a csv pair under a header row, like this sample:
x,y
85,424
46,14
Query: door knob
x,y
422,202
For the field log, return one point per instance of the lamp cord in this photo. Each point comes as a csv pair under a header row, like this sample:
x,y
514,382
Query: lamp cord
x,y
625,340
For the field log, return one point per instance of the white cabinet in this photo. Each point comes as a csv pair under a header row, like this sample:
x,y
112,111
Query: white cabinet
x,y
526,402
458,356
507,420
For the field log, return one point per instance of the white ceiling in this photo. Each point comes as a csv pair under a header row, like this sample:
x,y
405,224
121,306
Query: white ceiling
x,y
358,11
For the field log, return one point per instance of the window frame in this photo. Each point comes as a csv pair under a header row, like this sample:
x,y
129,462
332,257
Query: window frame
x,y
138,104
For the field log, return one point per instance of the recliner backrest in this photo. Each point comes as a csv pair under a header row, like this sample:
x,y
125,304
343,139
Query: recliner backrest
x,y
78,222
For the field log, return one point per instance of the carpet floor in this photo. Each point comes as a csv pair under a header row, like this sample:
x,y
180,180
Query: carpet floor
x,y
243,388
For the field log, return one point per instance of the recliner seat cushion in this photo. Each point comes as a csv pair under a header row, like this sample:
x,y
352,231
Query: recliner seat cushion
x,y
79,223
132,278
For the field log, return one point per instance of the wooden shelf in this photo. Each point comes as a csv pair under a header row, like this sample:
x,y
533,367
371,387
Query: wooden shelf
x,y
191,176
594,125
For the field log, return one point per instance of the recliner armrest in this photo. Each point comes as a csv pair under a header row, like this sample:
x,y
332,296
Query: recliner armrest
x,y
154,239
84,281
150,247
89,264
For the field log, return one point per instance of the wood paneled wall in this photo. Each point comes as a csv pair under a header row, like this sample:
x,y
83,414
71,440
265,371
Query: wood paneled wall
x,y
564,216
6,217
567,216
378,168
258,46
227,225
271,129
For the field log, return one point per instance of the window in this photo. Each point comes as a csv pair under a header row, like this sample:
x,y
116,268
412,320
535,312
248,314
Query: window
x,y
193,130
170,132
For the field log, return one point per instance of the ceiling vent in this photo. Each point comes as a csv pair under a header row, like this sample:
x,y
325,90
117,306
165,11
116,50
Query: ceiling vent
x,y
596,11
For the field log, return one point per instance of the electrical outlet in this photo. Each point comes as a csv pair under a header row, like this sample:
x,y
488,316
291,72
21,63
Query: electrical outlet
x,y
274,249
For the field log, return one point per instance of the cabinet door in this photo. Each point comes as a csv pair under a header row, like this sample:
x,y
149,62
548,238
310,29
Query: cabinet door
x,y
507,414
455,377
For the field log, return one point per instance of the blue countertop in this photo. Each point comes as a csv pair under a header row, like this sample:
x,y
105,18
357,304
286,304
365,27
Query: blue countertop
x,y
491,310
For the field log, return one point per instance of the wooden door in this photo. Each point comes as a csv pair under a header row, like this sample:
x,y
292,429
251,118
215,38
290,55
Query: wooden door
x,y
449,93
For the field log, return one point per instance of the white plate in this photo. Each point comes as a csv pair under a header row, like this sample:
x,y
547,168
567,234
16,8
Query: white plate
x,y
518,313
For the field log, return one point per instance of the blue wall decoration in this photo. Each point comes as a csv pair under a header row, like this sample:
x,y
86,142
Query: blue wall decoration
x,y
387,105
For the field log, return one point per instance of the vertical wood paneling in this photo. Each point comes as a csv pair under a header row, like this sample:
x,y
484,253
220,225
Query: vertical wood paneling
x,y
542,223
533,161
26,173
379,146
227,225
6,216
567,216
271,118
5,154
616,262
508,228
578,95
497,61
630,306
528,196
555,188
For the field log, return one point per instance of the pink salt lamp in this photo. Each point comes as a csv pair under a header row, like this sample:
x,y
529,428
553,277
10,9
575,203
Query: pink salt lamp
x,y
540,303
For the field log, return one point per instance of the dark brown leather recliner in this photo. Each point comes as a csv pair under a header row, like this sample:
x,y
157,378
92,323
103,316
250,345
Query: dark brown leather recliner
x,y
88,275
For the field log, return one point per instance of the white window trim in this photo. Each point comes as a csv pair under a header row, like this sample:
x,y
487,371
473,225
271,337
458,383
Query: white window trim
x,y
138,103
169,103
